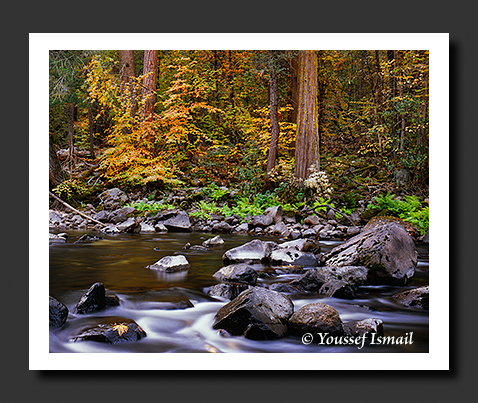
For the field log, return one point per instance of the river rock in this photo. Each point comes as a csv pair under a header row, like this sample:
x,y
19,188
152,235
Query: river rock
x,y
387,251
257,313
222,227
159,227
93,300
145,228
280,229
215,241
311,280
178,223
275,212
337,289
358,328
303,245
56,239
226,290
127,226
355,275
286,288
241,228
113,199
261,221
312,220
291,256
102,216
171,264
255,251
414,298
316,318
110,330
237,273
58,313
352,231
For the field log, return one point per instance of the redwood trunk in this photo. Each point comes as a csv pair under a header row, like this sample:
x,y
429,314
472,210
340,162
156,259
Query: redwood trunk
x,y
307,143
150,71
293,89
274,104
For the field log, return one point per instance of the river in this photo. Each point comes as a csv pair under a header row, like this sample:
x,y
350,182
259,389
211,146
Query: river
x,y
119,262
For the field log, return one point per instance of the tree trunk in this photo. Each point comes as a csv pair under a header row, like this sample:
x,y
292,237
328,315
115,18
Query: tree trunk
x,y
307,143
71,135
293,89
127,74
91,129
150,71
56,173
274,105
393,90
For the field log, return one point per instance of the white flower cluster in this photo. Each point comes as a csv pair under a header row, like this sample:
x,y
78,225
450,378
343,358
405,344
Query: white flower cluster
x,y
318,181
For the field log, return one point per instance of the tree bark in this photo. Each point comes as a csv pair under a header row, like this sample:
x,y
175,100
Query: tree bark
x,y
71,135
307,143
274,105
127,74
56,173
91,129
293,89
150,71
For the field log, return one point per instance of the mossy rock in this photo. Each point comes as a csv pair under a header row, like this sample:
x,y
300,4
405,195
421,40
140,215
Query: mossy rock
x,y
370,211
380,219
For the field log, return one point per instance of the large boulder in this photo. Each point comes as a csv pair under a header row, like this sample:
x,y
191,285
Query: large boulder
x,y
237,273
178,223
255,251
414,298
171,264
113,199
257,313
58,313
316,318
387,251
110,330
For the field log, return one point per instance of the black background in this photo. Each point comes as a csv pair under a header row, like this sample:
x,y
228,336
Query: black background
x,y
456,18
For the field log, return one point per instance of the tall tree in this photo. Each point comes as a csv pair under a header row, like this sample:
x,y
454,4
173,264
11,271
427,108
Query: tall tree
x,y
150,71
274,105
127,75
307,142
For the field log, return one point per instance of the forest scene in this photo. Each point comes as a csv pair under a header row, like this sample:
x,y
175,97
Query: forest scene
x,y
239,201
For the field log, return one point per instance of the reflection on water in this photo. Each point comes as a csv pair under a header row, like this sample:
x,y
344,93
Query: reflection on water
x,y
149,297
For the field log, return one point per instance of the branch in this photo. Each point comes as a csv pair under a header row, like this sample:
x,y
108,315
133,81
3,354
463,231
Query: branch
x,y
76,211
337,211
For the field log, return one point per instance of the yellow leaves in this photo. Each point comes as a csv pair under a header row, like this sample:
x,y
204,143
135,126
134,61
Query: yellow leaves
x,y
121,328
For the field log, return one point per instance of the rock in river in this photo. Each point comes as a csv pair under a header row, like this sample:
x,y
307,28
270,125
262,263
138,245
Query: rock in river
x,y
95,299
254,251
387,251
237,273
257,313
111,330
414,298
58,313
316,318
171,264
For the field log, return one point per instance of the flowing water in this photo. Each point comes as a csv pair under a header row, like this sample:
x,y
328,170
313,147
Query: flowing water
x,y
119,262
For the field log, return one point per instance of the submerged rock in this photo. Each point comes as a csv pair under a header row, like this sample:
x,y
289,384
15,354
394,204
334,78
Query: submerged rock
x,y
111,330
316,318
171,264
257,313
58,313
387,251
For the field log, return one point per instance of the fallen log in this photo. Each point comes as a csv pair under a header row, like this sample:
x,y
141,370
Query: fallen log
x,y
75,210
